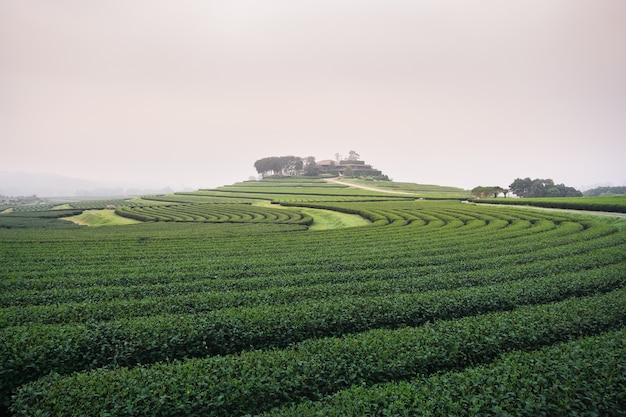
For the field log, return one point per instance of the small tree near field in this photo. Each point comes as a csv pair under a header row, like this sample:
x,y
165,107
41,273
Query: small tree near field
x,y
491,191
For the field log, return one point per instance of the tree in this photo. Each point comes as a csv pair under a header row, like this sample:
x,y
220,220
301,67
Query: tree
x,y
542,188
353,156
603,191
564,191
290,165
484,192
266,166
495,191
310,166
278,165
521,187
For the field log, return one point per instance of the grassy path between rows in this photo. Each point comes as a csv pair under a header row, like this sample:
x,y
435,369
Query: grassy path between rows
x,y
363,187
100,218
325,219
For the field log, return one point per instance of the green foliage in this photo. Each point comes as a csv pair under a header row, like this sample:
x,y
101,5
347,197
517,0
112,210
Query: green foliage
x,y
419,190
189,317
492,191
154,338
609,204
329,190
584,377
278,165
214,213
542,188
259,380
44,219
605,191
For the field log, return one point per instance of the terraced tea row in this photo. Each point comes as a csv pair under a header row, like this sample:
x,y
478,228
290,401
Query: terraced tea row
x,y
580,377
80,205
256,381
214,213
162,336
362,254
558,242
79,301
145,295
114,302
290,192
197,197
608,204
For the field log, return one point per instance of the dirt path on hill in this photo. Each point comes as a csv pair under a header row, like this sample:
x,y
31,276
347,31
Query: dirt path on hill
x,y
596,213
363,187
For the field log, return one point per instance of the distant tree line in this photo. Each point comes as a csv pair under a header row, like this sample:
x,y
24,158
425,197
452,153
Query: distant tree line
x,y
21,200
605,191
528,188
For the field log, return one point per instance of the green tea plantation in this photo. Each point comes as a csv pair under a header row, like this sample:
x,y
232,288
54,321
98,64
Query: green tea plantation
x,y
227,302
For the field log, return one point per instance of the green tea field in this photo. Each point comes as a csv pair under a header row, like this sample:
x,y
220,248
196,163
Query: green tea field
x,y
615,204
310,298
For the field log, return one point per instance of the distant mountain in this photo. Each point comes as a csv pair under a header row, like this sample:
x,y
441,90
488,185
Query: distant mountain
x,y
51,185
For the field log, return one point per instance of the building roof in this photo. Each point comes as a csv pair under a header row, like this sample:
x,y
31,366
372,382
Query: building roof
x,y
326,162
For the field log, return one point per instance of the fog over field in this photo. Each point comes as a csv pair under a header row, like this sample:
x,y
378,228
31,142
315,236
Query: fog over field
x,y
190,93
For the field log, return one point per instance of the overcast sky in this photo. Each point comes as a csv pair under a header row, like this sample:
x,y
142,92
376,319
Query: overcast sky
x,y
191,93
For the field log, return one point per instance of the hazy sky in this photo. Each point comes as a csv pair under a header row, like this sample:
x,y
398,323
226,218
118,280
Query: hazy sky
x,y
449,92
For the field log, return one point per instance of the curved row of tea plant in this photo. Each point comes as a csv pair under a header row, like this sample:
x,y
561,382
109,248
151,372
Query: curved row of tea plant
x,y
256,381
560,246
452,214
46,215
81,205
42,219
585,376
322,190
216,213
195,197
117,302
429,191
29,352
101,204
74,300
26,208
609,204
294,192
558,242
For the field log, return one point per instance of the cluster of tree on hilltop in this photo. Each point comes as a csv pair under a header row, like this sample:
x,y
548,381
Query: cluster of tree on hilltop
x,y
525,187
605,191
291,165
278,165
